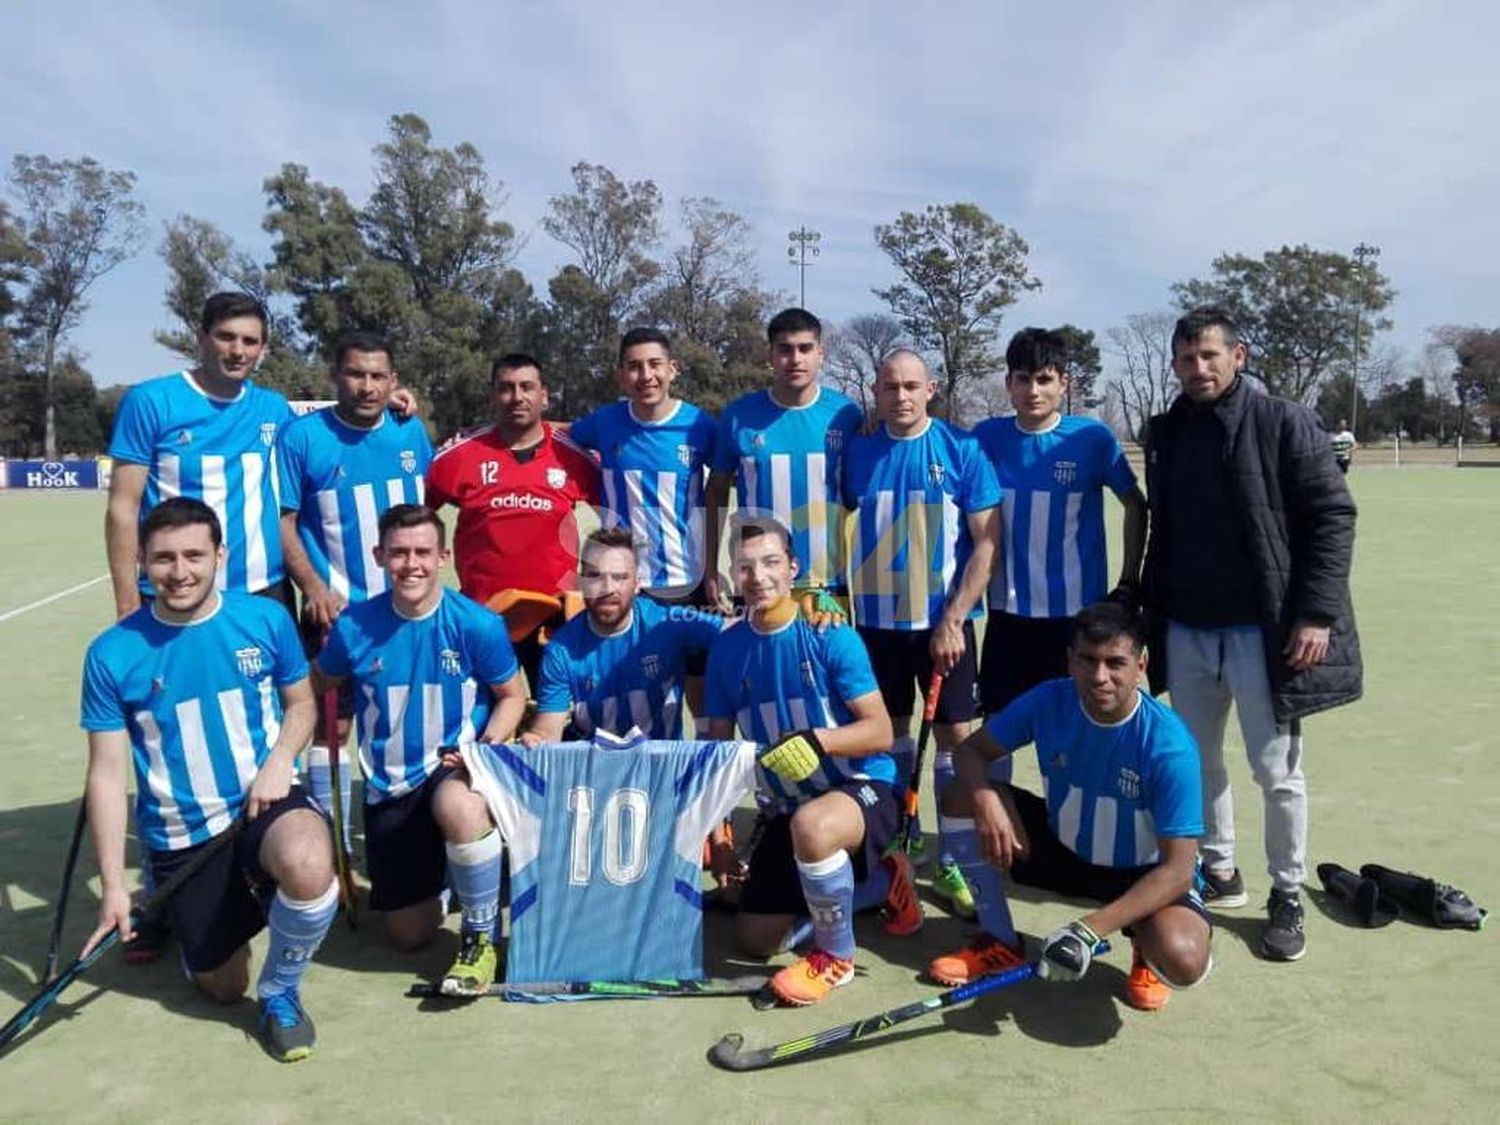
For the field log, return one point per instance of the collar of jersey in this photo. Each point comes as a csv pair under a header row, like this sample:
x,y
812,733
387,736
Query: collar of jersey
x,y
779,405
1118,722
188,624
1056,421
909,437
187,377
333,412
621,631
630,409
421,616
632,739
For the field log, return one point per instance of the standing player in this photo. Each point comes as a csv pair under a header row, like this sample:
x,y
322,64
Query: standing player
x,y
1118,823
782,448
341,468
431,669
208,694
1053,470
516,483
812,698
927,528
1344,446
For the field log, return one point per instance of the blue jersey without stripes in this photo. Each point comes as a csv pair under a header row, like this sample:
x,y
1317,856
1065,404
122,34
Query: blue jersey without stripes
x,y
216,450
420,683
912,497
793,678
1111,790
201,704
632,678
606,851
786,461
340,480
653,484
1052,550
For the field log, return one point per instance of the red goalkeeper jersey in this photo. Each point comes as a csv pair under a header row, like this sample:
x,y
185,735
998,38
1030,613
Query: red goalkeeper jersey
x,y
516,527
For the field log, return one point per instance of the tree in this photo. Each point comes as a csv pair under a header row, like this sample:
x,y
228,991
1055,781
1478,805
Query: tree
x,y
79,220
855,350
1143,383
1476,381
1296,308
961,269
1084,368
611,225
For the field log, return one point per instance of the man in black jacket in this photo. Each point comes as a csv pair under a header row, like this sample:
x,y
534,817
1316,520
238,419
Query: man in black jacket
x,y
1247,578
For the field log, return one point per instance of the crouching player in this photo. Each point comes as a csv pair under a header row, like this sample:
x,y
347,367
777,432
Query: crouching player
x,y
1119,822
431,669
811,697
208,693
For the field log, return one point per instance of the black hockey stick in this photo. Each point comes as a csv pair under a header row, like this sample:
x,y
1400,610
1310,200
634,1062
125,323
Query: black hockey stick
x,y
729,1053
53,989
902,840
342,866
54,940
606,989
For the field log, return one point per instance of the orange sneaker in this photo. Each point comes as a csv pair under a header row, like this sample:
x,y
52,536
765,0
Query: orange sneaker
x,y
811,978
902,911
1144,990
980,958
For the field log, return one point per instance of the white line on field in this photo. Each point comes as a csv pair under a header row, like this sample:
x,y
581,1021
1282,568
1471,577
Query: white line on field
x,y
8,614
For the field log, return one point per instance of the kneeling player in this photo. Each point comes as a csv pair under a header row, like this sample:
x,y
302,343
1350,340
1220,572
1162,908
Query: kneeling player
x,y
812,697
1119,823
431,669
208,693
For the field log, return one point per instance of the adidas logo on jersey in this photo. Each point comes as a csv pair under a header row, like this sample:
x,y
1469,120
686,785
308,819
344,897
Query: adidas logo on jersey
x,y
523,500
249,661
185,437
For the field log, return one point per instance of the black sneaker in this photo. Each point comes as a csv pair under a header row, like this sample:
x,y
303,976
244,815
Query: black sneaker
x,y
1222,893
1283,939
285,1028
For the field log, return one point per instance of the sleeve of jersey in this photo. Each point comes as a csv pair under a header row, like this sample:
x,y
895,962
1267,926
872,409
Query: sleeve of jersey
x,y
724,459
716,683
849,668
1118,474
848,420
981,485
584,432
334,659
423,444
706,436
553,695
1015,726
698,630
1176,783
494,658
99,707
134,439
712,784
291,456
290,664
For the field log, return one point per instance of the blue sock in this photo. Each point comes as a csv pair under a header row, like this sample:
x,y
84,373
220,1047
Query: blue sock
x,y
297,929
320,787
983,877
475,870
943,776
828,886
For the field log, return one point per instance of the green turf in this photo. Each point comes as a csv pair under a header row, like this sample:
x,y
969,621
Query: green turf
x,y
1372,1025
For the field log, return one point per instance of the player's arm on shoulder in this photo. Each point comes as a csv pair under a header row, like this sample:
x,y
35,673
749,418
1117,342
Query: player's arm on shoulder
x,y
106,800
299,713
1157,889
127,485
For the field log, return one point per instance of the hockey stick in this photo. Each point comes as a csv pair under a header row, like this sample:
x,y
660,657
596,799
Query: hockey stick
x,y
607,989
729,1053
336,801
902,841
52,990
54,940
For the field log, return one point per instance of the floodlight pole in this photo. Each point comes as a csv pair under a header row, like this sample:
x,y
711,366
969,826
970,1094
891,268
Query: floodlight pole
x,y
804,245
1362,252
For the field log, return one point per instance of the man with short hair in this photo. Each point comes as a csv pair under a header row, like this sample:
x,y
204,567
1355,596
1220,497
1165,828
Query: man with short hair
x,y
1247,573
207,692
811,696
1344,446
517,483
431,669
782,449
1118,822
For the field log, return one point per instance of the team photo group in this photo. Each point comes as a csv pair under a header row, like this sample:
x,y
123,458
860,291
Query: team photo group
x,y
666,616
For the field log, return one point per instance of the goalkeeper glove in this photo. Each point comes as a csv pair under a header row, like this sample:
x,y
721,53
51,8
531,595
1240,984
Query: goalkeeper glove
x,y
795,757
1066,952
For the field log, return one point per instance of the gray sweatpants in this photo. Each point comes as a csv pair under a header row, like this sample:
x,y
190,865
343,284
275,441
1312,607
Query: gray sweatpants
x,y
1207,669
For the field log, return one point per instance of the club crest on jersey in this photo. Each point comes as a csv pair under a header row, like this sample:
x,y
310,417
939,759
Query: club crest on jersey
x,y
1065,472
267,434
651,665
685,455
556,477
1128,784
935,473
408,460
448,661
249,661
835,440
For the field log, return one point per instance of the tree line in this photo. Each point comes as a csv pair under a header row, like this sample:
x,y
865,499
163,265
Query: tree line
x,y
428,258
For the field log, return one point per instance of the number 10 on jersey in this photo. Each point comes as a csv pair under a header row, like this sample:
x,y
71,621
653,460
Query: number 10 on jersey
x,y
622,846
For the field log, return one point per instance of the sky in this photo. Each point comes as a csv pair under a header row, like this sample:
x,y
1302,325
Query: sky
x,y
1128,144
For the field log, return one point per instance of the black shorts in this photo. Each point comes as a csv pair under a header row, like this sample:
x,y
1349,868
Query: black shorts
x,y
902,659
313,636
773,887
1052,866
1019,653
405,853
224,905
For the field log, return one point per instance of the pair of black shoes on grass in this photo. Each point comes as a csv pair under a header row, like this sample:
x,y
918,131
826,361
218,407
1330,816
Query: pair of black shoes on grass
x,y
1377,895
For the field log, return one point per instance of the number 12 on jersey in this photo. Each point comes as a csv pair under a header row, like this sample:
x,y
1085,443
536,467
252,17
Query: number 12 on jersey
x,y
622,846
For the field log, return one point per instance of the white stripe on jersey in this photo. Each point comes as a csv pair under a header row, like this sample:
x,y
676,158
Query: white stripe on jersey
x,y
673,550
159,781
241,745
918,559
1036,548
333,541
818,522
781,488
367,519
468,697
885,558
1145,838
256,566
169,476
1106,817
396,698
1003,587
216,495
195,753
367,722
432,724
1069,817
750,476
524,840
395,493
1072,556
268,720
951,518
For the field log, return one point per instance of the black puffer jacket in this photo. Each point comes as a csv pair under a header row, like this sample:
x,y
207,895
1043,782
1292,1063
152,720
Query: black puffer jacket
x,y
1299,527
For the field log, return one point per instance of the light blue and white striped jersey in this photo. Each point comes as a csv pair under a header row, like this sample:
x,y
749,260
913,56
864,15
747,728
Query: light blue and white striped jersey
x,y
790,679
1111,790
219,451
419,683
340,480
606,851
202,706
632,678
653,484
911,498
1052,550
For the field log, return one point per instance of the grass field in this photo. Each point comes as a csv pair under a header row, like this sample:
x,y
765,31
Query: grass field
x,y
1398,1023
